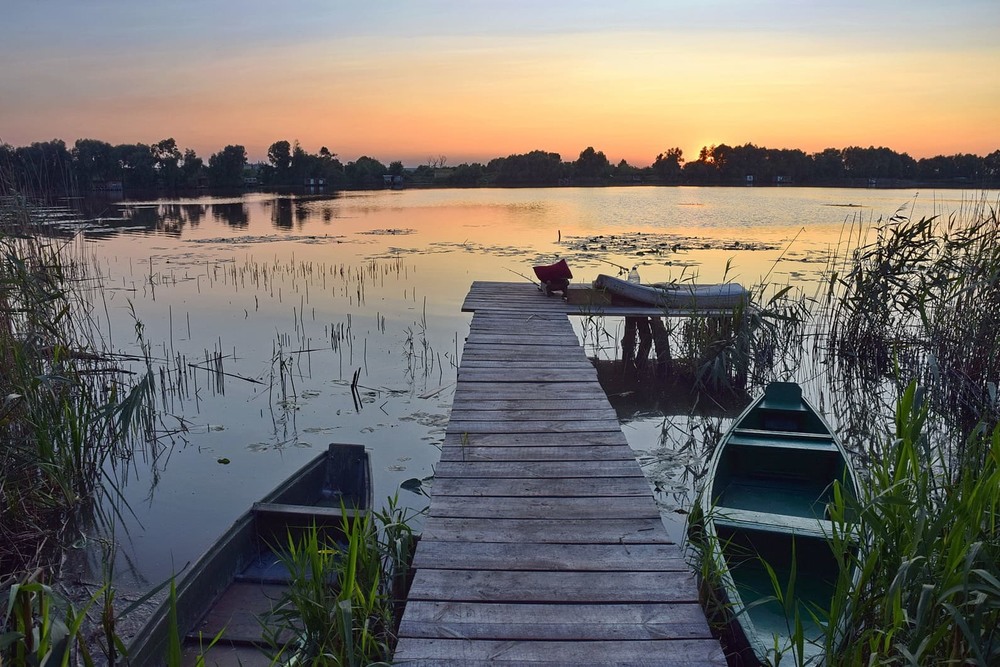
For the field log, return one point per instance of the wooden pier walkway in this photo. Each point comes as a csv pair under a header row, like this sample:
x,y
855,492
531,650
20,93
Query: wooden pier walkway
x,y
543,544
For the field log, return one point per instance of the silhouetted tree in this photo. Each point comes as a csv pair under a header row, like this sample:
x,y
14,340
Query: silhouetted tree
x,y
167,161
467,175
225,168
828,166
44,167
280,156
667,166
625,173
191,168
591,165
365,173
94,161
138,165
534,168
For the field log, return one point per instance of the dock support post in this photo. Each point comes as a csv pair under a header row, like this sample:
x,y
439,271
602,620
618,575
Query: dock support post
x,y
636,326
661,339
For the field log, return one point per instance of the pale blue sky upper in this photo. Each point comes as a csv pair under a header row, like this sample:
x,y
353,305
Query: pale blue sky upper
x,y
81,68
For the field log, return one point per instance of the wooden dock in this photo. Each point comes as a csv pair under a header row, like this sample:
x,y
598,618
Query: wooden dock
x,y
543,544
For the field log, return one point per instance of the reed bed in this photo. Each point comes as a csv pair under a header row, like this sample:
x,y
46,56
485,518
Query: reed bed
x,y
912,320
71,418
921,301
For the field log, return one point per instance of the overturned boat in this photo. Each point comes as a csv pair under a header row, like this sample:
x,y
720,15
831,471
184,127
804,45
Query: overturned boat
x,y
680,296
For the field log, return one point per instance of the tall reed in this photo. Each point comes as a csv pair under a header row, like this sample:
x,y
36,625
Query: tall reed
x,y
67,416
928,590
923,300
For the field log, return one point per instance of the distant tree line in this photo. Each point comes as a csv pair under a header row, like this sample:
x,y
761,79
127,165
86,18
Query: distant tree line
x,y
52,167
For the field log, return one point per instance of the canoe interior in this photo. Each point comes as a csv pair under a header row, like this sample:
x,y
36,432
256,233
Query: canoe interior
x,y
780,481
772,482
814,587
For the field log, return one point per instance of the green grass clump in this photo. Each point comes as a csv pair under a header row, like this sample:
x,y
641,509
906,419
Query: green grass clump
x,y
345,598
929,557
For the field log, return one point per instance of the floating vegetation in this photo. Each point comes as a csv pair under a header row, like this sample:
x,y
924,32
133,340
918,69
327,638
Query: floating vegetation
x,y
641,244
388,232
270,238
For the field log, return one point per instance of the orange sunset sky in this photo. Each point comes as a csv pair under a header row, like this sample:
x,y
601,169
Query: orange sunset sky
x,y
474,80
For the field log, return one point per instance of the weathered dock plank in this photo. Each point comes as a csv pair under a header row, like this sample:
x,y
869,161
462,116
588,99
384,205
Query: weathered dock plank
x,y
568,488
476,653
527,411
589,622
535,439
542,543
569,587
537,469
542,531
543,508
550,557
471,454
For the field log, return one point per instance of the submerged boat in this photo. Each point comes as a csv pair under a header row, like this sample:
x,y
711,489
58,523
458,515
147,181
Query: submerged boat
x,y
770,482
241,576
688,296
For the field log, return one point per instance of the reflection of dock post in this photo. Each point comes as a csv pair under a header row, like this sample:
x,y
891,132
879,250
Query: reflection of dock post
x,y
651,334
742,361
628,341
636,326
661,339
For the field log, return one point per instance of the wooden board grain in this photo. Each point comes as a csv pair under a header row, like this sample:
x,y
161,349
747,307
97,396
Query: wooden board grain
x,y
632,530
660,652
470,453
538,469
557,488
542,507
568,440
568,587
441,554
580,622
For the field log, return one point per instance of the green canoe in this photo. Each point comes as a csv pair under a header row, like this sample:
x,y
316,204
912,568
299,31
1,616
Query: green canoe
x,y
240,577
769,484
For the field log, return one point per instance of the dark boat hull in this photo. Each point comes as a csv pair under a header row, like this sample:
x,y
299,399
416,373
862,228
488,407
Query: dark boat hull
x,y
240,575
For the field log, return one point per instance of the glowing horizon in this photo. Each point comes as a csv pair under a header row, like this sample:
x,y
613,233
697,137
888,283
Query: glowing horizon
x,y
471,82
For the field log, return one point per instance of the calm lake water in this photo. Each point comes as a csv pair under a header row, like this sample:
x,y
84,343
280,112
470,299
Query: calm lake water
x,y
258,310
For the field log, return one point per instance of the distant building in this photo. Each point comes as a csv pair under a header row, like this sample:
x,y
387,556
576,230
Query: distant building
x,y
102,185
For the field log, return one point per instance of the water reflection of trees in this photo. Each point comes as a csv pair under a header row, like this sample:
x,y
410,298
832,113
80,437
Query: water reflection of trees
x,y
233,214
281,213
169,219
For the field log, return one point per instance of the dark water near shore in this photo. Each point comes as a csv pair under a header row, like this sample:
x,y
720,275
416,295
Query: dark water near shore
x,y
258,310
